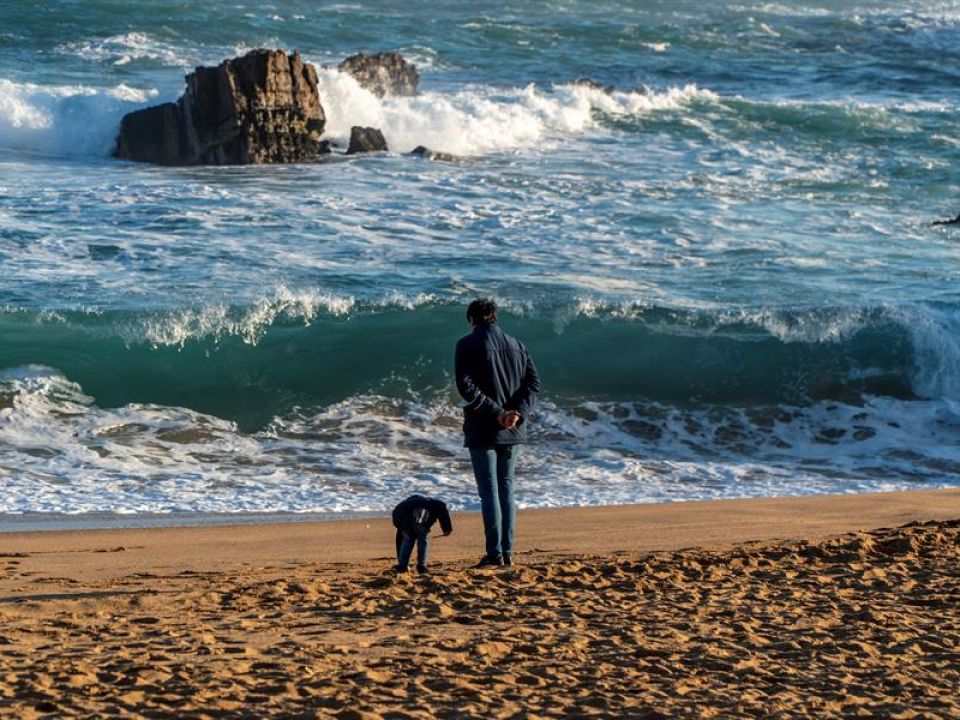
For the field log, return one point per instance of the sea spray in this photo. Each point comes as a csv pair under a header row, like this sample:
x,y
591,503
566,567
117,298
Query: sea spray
x,y
478,120
63,119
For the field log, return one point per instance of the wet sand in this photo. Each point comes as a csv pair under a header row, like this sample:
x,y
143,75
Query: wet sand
x,y
798,607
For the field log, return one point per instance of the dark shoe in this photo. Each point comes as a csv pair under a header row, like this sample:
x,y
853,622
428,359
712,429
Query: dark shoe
x,y
400,569
490,561
507,560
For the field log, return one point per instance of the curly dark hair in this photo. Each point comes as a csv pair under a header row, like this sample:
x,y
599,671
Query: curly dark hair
x,y
482,311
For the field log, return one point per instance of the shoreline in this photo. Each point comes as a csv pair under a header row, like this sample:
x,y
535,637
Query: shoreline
x,y
60,522
541,533
36,522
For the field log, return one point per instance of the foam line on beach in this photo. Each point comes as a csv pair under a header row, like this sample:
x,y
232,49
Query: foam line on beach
x,y
64,454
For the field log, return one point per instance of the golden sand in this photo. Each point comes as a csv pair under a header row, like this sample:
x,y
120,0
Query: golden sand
x,y
862,624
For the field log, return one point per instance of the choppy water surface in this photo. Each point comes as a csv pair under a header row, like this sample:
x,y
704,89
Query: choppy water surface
x,y
724,264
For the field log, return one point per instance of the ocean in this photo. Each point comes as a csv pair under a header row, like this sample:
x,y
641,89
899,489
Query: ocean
x,y
722,261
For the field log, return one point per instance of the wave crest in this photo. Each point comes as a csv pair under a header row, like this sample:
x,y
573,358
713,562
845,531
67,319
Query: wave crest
x,y
126,48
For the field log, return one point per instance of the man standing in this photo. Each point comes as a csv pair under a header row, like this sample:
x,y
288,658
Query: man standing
x,y
498,382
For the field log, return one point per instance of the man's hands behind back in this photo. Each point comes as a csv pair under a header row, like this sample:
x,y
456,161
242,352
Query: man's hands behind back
x,y
510,419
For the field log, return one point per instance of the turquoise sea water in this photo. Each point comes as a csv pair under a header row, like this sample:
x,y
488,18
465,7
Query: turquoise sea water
x,y
724,264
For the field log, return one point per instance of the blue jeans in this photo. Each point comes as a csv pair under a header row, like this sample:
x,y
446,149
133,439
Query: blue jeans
x,y
405,542
493,468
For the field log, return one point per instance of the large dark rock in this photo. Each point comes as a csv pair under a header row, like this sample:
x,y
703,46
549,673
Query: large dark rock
x,y
260,108
382,74
366,139
154,135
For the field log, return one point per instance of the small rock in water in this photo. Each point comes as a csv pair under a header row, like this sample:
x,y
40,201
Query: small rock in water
x,y
382,74
593,84
428,154
955,221
366,139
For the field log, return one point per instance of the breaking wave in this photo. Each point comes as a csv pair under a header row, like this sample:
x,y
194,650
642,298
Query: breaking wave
x,y
64,120
61,453
252,362
478,120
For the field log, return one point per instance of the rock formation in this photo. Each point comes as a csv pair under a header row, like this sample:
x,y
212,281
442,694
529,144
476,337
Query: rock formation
x,y
260,108
154,135
383,73
365,139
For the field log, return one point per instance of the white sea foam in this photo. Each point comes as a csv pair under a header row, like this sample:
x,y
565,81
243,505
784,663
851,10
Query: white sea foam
x,y
483,119
60,453
425,58
877,107
953,141
251,321
764,29
126,48
812,326
64,119
781,9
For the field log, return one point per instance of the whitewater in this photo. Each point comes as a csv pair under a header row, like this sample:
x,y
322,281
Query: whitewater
x,y
721,254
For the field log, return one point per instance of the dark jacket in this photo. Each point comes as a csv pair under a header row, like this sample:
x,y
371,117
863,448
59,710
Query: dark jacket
x,y
494,374
403,513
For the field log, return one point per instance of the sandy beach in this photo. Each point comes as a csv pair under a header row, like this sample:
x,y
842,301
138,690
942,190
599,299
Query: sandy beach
x,y
841,606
